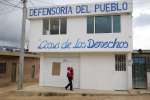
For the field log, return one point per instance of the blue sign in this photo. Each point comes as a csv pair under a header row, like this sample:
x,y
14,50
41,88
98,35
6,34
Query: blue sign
x,y
90,43
80,9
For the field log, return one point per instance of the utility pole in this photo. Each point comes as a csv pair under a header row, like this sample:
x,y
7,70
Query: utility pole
x,y
21,57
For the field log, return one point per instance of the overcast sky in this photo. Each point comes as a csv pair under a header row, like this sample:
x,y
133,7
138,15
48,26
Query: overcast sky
x,y
10,20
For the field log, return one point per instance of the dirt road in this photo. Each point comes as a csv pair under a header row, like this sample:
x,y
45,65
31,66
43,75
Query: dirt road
x,y
6,93
13,97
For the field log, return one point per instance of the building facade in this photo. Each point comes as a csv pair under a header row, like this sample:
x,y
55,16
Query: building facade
x,y
9,63
95,39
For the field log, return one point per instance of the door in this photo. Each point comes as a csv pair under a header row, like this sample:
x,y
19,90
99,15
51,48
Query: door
x,y
139,73
120,74
13,72
32,71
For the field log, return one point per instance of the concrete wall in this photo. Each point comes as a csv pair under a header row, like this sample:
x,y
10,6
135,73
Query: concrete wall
x,y
98,72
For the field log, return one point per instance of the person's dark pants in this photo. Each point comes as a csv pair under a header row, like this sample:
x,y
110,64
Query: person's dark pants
x,y
69,84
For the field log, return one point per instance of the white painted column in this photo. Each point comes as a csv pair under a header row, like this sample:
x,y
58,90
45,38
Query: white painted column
x,y
41,76
129,69
148,80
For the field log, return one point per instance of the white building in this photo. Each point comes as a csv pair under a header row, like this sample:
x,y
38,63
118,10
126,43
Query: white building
x,y
95,39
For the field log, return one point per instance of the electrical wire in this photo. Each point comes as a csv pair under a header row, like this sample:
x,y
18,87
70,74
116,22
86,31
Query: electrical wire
x,y
9,4
6,9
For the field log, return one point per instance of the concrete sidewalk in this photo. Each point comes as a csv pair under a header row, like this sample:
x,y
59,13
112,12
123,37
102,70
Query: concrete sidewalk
x,y
35,90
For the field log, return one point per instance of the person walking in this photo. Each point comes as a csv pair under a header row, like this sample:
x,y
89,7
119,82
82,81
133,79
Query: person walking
x,y
70,74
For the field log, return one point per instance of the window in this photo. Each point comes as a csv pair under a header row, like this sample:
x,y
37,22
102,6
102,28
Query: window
x,y
103,24
120,62
2,67
45,26
56,68
90,24
54,26
116,24
63,26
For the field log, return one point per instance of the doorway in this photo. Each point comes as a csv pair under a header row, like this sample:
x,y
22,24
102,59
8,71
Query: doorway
x,y
139,72
13,72
32,71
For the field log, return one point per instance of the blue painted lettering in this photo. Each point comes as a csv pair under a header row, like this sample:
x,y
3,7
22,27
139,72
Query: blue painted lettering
x,y
79,9
125,44
31,12
82,9
48,45
79,44
108,7
114,43
90,43
96,7
125,6
35,12
66,44
107,44
44,11
119,8
51,11
110,44
113,6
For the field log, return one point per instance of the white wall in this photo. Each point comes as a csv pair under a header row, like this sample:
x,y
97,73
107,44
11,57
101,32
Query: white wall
x,y
98,72
46,77
148,80
76,25
36,30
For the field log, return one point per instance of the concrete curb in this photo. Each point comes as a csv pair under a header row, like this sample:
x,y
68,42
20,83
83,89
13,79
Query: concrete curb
x,y
33,93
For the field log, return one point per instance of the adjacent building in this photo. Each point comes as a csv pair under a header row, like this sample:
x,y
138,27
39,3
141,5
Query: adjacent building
x,y
9,63
95,39
141,69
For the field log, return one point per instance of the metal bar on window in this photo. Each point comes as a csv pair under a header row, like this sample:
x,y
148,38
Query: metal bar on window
x,y
94,24
59,25
112,22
